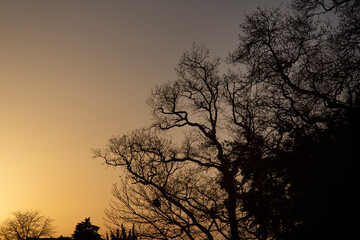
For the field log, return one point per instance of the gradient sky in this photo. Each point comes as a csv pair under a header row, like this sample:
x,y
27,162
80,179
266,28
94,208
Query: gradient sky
x,y
75,73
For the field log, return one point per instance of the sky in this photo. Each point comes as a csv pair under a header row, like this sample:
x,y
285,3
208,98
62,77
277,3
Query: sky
x,y
75,73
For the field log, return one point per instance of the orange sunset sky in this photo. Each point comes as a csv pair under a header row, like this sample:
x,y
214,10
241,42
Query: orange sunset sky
x,y
75,73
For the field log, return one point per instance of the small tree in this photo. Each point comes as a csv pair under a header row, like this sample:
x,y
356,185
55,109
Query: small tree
x,y
26,224
86,231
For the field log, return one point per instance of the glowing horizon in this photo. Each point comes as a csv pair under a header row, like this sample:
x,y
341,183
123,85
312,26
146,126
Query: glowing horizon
x,y
75,73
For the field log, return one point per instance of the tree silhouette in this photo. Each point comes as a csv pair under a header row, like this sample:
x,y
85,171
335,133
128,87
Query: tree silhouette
x,y
267,153
189,190
26,224
86,231
304,78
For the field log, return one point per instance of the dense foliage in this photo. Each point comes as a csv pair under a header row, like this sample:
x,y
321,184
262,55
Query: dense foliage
x,y
85,230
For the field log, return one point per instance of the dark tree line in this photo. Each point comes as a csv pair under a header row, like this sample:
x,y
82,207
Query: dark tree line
x,y
122,234
269,150
85,230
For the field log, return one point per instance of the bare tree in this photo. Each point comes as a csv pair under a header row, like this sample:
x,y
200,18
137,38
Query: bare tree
x,y
301,69
164,191
26,224
187,191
